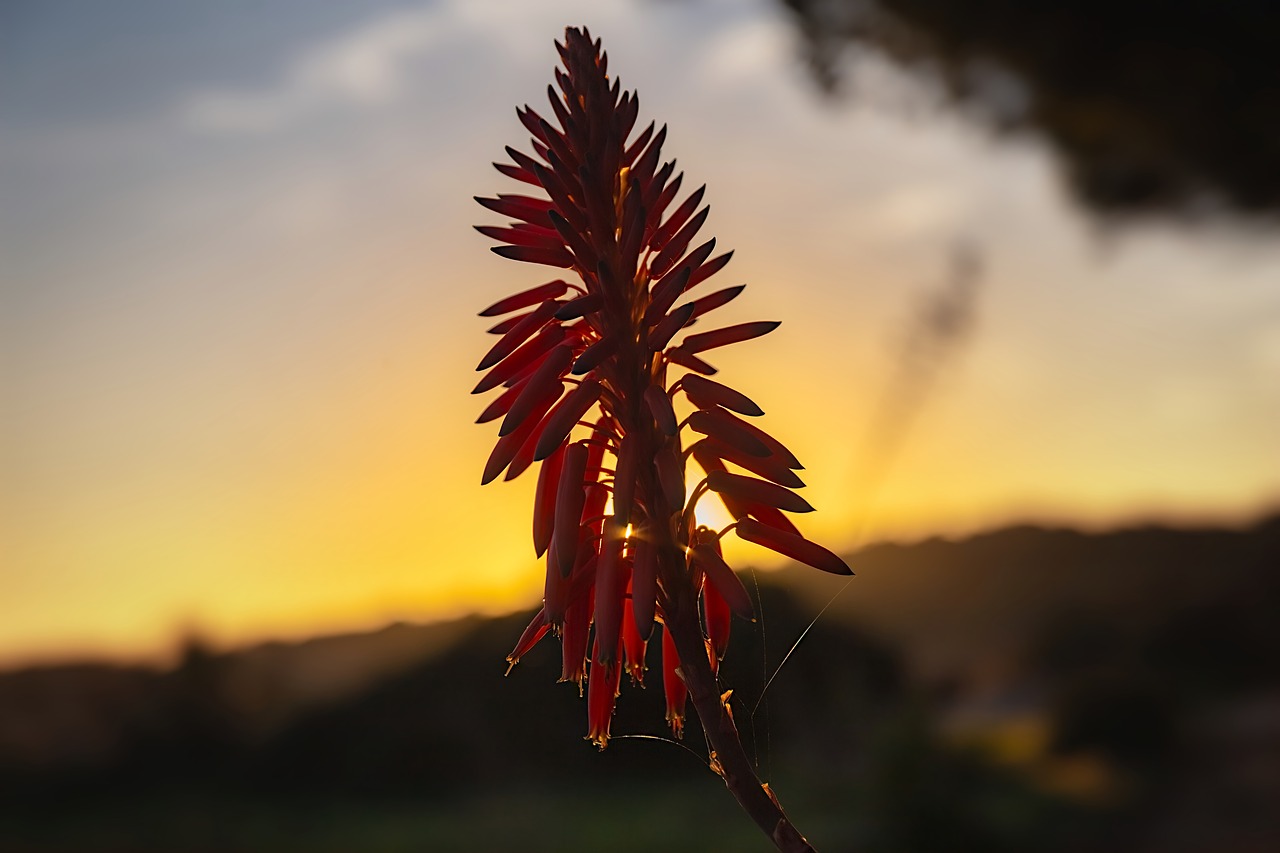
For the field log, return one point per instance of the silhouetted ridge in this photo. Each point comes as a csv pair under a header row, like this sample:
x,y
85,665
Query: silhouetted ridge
x,y
1131,672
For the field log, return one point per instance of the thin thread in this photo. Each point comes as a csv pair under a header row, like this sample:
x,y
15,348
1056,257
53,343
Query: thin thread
x,y
702,760
796,644
764,667
864,526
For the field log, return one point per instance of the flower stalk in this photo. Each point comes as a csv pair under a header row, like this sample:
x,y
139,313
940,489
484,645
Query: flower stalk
x,y
612,517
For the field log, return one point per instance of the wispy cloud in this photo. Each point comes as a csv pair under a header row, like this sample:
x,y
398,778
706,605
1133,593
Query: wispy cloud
x,y
751,53
365,66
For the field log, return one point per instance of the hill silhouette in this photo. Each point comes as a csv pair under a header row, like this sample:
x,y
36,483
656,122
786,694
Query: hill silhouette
x,y
1024,689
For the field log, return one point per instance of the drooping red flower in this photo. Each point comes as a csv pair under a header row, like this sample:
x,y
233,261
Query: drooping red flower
x,y
612,519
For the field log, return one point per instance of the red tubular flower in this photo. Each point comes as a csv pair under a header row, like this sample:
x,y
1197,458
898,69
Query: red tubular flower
x,y
607,337
673,686
633,645
715,607
602,692
574,636
715,614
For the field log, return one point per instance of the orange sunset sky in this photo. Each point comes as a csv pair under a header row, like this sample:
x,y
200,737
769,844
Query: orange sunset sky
x,y
239,285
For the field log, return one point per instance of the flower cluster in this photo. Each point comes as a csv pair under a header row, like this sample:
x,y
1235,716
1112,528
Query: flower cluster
x,y
586,367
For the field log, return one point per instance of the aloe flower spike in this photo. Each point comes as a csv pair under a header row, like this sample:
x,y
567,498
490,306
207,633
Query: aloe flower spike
x,y
590,364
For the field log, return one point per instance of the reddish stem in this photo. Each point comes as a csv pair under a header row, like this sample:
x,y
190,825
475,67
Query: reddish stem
x,y
729,758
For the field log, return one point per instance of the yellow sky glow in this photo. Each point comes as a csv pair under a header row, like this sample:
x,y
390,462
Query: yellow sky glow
x,y
238,330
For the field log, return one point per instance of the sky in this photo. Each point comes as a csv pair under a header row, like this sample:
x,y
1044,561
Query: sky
x,y
239,285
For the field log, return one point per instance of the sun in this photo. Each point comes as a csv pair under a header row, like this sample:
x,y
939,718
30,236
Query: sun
x,y
711,511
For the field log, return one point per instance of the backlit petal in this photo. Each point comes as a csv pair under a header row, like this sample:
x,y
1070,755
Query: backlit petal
x,y
792,545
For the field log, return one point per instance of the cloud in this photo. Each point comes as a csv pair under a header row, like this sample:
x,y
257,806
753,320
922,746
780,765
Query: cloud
x,y
366,66
915,213
752,52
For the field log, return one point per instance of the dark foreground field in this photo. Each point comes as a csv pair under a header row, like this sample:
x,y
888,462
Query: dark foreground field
x,y
1023,690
